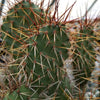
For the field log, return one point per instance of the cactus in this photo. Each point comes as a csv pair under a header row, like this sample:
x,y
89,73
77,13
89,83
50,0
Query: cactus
x,y
84,53
92,86
82,50
48,60
39,47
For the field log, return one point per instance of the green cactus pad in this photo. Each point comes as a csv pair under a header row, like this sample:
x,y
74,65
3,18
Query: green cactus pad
x,y
39,49
84,56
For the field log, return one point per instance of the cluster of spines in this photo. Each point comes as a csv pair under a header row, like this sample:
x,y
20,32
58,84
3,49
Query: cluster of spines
x,y
39,49
40,45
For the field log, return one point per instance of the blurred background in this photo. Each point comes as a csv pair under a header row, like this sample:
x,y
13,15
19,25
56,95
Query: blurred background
x,y
78,10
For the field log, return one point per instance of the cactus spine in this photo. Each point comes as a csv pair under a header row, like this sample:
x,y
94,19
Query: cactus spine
x,y
49,60
39,47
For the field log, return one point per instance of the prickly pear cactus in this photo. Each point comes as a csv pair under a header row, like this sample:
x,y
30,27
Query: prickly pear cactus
x,y
39,45
49,60
83,51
